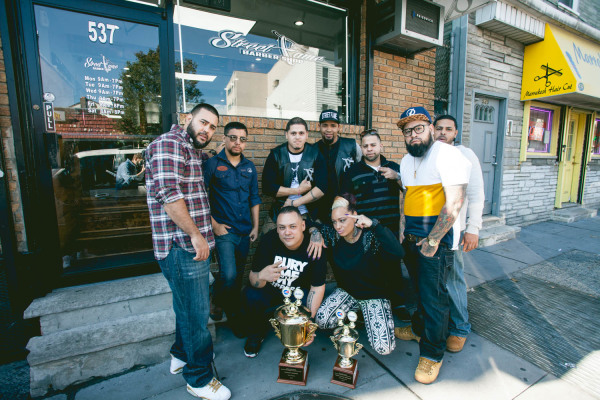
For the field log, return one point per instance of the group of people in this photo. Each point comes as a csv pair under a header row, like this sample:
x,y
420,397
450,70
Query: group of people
x,y
335,201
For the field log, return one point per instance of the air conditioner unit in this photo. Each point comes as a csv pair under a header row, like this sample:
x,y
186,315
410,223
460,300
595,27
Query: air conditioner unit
x,y
408,26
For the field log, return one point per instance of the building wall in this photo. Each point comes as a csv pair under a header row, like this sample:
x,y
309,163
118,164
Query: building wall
x,y
591,193
495,64
400,83
10,162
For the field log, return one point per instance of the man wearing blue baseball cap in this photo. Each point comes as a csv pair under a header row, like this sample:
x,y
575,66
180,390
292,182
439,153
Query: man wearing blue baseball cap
x,y
433,196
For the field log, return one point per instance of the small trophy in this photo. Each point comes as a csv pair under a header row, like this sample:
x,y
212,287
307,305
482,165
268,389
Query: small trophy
x,y
293,326
345,370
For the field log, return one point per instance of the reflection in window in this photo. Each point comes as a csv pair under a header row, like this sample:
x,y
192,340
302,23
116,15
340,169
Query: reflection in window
x,y
102,78
596,140
540,130
254,61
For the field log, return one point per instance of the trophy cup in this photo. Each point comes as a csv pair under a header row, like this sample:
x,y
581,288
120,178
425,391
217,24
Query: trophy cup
x,y
293,326
345,370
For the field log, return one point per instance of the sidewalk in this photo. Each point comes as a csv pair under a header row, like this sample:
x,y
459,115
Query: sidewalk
x,y
522,347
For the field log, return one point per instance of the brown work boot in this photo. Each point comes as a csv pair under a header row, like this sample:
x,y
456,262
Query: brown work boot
x,y
454,344
406,333
427,371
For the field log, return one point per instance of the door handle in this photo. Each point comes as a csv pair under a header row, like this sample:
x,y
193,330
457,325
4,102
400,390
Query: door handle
x,y
494,164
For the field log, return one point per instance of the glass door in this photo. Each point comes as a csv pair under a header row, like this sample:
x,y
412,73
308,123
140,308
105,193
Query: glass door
x,y
101,84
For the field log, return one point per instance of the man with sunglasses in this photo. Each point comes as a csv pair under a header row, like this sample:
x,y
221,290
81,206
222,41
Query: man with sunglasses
x,y
434,177
232,184
339,153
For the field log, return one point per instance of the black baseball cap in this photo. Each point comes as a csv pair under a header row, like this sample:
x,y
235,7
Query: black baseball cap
x,y
329,115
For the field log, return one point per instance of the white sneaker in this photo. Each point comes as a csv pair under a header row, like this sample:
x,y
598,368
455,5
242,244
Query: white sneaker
x,y
176,365
214,390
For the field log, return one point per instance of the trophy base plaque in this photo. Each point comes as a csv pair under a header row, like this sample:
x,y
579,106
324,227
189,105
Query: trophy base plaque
x,y
294,374
345,376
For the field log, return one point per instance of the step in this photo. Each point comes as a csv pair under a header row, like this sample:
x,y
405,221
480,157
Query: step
x,y
572,214
97,294
490,221
497,234
60,374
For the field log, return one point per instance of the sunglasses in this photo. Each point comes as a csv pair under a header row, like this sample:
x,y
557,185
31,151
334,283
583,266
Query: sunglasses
x,y
369,132
233,138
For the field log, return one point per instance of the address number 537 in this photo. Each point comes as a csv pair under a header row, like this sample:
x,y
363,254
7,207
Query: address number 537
x,y
98,32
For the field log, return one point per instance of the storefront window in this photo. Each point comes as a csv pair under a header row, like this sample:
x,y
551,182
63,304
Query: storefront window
x,y
281,59
102,102
540,130
596,139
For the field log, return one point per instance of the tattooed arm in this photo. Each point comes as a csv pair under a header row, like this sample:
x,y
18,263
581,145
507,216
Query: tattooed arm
x,y
314,299
316,244
402,218
455,196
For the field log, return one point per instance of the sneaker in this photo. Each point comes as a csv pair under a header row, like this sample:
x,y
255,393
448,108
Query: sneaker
x,y
214,390
406,333
427,371
454,344
252,347
176,365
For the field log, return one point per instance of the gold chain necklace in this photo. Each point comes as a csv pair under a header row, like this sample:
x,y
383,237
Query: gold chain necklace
x,y
416,168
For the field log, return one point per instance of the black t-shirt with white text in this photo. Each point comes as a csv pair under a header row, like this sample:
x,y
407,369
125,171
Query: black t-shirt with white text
x,y
301,271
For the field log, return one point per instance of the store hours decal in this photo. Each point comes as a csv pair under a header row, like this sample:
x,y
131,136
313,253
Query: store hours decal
x,y
103,90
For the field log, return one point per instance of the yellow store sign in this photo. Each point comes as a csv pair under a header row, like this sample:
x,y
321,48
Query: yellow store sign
x,y
562,63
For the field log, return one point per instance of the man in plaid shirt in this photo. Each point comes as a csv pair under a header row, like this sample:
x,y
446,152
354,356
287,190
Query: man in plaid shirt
x,y
182,237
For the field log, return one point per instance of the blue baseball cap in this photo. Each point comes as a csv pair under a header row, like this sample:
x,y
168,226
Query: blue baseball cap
x,y
413,114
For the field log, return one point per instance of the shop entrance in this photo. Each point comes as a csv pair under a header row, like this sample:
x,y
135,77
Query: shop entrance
x,y
103,71
570,166
484,140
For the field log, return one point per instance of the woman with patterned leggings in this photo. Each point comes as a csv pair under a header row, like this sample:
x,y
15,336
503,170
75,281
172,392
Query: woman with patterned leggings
x,y
363,254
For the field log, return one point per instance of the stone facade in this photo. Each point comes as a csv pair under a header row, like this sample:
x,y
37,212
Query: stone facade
x,y
591,194
528,189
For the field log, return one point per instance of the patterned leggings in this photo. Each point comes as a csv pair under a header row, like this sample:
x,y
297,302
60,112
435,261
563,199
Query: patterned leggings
x,y
377,314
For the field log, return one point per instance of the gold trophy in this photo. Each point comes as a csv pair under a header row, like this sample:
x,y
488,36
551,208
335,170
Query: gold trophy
x,y
345,370
293,326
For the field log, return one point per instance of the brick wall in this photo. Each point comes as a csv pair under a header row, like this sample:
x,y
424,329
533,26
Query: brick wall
x,y
400,83
9,160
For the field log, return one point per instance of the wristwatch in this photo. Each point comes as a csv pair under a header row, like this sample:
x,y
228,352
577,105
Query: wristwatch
x,y
432,242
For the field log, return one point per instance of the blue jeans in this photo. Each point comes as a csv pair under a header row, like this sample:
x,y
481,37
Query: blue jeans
x,y
458,325
232,250
188,280
429,276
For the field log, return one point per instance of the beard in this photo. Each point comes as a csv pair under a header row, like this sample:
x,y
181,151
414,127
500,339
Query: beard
x,y
197,143
372,158
418,150
328,141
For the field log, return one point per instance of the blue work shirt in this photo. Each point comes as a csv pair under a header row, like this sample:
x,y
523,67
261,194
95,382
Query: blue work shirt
x,y
232,191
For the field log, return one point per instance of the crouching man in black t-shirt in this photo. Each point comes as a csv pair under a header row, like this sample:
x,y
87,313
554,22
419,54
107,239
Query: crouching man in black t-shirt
x,y
281,260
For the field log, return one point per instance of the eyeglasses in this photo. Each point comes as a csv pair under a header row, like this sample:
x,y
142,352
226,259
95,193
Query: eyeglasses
x,y
369,132
416,129
233,138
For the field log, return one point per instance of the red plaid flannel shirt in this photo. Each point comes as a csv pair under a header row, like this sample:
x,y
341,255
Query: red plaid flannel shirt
x,y
173,172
